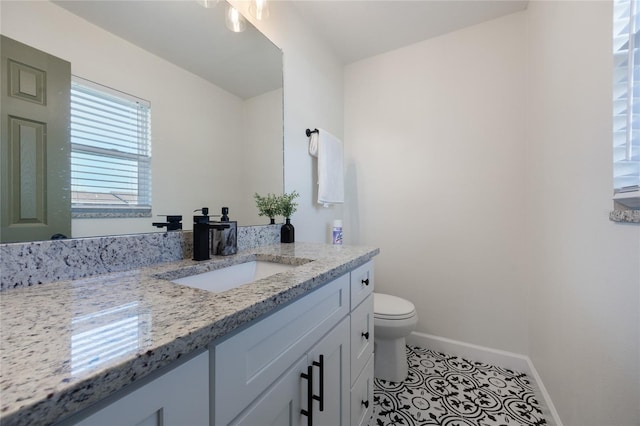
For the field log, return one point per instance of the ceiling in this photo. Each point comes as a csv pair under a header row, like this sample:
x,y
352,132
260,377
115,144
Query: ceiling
x,y
244,63
193,37
358,29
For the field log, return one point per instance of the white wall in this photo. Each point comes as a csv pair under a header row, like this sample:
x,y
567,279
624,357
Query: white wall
x,y
263,131
313,97
480,163
434,134
585,270
198,129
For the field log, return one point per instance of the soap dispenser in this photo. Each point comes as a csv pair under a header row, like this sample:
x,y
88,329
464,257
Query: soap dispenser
x,y
201,235
225,239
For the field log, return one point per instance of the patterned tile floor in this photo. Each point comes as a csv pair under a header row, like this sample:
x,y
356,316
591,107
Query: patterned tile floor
x,y
446,390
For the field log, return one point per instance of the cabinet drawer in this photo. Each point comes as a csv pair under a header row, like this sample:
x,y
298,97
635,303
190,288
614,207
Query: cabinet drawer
x,y
248,363
362,283
362,396
361,336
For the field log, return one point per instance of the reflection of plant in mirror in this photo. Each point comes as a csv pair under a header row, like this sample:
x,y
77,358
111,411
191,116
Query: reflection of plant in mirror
x,y
268,205
286,205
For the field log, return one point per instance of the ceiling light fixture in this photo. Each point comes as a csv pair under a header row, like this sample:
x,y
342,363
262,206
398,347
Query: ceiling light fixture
x,y
259,9
208,3
234,20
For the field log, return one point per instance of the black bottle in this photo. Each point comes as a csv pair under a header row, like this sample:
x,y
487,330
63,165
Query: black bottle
x,y
287,232
201,231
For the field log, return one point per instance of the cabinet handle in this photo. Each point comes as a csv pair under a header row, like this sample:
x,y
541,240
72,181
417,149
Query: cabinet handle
x,y
309,411
365,281
365,403
320,365
365,335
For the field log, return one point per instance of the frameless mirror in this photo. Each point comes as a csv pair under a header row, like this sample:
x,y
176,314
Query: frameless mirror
x,y
216,99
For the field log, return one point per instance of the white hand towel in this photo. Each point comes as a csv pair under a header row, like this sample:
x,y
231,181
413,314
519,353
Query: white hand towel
x,y
328,149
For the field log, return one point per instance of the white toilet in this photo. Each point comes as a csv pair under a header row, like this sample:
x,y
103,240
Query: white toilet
x,y
393,319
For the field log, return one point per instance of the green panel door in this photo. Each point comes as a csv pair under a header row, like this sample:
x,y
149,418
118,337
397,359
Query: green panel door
x,y
34,156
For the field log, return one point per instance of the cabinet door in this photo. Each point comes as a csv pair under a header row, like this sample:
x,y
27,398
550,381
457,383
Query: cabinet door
x,y
331,382
179,397
280,404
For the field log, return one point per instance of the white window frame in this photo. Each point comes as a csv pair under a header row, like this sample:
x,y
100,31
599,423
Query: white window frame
x,y
105,189
626,103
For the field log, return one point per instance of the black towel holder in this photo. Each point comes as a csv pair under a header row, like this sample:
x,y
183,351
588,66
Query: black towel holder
x,y
309,132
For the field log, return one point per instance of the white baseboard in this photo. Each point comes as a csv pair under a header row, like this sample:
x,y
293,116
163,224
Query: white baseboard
x,y
491,356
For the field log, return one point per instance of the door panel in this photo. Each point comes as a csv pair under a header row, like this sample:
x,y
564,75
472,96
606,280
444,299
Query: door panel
x,y
27,152
34,150
27,83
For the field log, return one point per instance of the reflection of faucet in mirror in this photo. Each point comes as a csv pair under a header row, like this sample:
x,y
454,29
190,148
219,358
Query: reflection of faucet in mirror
x,y
202,232
224,240
173,223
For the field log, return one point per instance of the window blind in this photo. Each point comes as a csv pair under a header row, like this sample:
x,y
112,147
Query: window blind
x,y
626,93
110,150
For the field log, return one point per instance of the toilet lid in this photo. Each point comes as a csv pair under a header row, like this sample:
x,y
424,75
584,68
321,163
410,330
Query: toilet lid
x,y
387,306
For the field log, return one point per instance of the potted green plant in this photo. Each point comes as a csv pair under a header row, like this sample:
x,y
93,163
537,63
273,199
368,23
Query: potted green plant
x,y
287,207
268,205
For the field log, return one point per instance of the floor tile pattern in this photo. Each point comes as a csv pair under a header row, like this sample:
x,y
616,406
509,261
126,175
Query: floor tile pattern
x,y
446,390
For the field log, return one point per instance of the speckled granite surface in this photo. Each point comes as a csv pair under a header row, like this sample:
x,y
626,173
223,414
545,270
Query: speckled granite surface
x,y
54,360
27,264
625,216
256,236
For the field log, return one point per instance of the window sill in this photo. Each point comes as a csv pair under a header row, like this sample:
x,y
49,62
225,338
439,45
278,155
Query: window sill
x,y
93,213
626,207
625,216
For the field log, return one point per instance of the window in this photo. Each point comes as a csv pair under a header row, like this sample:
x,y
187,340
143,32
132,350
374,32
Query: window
x,y
110,152
626,103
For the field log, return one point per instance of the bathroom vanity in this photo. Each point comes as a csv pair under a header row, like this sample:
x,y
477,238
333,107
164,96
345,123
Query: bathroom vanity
x,y
135,348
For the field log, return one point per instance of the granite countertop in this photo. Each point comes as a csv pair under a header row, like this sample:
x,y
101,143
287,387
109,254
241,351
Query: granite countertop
x,y
69,344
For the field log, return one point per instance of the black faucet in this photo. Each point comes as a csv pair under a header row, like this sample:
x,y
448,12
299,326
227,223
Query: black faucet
x,y
172,223
202,234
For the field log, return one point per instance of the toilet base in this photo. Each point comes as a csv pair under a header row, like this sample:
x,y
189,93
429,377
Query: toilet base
x,y
390,361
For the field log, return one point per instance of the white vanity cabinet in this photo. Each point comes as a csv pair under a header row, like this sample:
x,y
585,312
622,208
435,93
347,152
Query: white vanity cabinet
x,y
263,373
308,363
178,397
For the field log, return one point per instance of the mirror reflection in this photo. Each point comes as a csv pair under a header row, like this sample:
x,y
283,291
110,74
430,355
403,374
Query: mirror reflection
x,y
215,100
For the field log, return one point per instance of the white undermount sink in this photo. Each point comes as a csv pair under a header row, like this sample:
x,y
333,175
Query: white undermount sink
x,y
224,279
